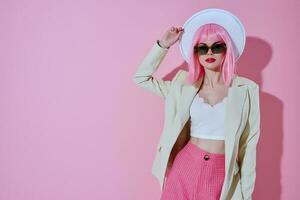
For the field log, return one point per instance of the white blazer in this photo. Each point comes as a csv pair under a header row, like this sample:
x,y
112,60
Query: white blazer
x,y
242,124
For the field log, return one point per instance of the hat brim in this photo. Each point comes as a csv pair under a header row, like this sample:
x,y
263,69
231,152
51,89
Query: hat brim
x,y
217,16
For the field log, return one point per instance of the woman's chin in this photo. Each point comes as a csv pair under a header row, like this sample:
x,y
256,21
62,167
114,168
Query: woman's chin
x,y
212,68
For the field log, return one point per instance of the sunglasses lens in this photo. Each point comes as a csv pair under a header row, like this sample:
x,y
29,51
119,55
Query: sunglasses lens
x,y
202,50
218,48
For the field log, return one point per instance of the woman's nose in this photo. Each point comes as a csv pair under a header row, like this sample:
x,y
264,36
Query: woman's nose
x,y
209,52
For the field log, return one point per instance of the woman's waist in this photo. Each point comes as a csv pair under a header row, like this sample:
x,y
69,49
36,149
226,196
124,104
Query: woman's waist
x,y
210,145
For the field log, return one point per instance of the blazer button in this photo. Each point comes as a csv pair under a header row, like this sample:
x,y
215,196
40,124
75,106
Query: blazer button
x,y
206,157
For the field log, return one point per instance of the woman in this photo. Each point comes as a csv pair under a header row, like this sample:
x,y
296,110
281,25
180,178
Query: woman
x,y
208,146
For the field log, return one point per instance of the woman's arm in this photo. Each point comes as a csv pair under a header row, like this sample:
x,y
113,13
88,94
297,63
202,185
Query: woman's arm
x,y
144,74
248,144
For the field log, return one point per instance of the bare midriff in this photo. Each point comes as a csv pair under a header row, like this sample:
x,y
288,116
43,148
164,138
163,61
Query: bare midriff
x,y
209,145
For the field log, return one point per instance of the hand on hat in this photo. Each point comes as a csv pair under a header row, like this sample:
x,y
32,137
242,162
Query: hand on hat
x,y
171,36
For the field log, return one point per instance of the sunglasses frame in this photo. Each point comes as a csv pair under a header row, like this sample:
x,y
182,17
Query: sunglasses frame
x,y
197,48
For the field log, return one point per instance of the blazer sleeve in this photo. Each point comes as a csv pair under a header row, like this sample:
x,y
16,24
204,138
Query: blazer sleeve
x,y
248,144
143,77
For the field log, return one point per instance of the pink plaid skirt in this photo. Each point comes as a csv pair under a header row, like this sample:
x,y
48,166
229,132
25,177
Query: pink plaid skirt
x,y
195,175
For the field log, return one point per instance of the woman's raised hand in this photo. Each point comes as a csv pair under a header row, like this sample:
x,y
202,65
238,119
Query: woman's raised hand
x,y
171,36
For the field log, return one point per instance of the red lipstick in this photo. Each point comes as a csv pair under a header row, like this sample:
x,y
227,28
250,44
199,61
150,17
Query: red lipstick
x,y
210,60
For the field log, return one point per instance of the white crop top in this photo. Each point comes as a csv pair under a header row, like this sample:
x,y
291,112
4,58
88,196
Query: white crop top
x,y
207,121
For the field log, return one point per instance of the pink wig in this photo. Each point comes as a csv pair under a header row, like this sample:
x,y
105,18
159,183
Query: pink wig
x,y
228,68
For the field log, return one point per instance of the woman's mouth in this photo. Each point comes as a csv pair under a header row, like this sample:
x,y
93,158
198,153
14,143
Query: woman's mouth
x,y
210,60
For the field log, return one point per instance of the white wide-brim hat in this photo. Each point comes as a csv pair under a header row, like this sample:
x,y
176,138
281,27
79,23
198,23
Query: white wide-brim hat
x,y
217,16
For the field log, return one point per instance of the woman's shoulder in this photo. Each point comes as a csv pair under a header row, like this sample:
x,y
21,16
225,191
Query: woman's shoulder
x,y
247,81
182,74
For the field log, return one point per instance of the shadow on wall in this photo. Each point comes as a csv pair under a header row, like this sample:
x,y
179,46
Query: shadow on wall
x,y
255,58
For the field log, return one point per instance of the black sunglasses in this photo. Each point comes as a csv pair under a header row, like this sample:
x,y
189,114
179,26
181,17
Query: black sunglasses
x,y
215,48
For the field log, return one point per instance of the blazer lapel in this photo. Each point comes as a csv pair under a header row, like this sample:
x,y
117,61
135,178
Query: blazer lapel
x,y
233,116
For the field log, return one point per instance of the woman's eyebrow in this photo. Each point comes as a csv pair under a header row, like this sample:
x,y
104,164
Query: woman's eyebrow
x,y
213,43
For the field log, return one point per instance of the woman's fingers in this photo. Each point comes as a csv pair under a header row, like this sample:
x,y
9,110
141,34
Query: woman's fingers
x,y
173,29
172,35
178,29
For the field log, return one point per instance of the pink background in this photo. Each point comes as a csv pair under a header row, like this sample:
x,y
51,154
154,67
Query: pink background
x,y
73,126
